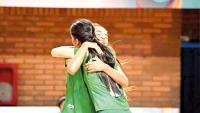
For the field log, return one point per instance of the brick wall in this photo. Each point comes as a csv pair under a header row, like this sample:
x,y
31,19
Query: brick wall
x,y
147,38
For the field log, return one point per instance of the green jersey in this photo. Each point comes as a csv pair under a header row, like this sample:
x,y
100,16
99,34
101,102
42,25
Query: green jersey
x,y
101,97
78,99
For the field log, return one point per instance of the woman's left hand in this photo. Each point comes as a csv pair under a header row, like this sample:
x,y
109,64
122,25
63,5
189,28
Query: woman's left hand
x,y
94,46
95,65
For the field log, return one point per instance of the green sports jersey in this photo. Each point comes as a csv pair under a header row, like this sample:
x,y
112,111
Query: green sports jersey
x,y
100,95
78,99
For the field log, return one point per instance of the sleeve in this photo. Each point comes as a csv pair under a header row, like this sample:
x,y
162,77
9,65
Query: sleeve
x,y
85,57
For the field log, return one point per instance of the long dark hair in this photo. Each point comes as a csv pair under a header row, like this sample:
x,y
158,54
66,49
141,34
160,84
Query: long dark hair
x,y
83,30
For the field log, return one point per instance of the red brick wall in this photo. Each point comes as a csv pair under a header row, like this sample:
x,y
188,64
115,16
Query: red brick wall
x,y
149,41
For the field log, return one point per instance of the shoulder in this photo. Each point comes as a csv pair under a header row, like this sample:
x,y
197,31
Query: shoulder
x,y
112,51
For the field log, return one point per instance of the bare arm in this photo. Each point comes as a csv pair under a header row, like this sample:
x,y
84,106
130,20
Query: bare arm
x,y
63,52
74,64
116,74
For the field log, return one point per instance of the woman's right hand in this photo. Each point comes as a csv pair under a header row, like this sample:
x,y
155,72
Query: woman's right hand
x,y
93,45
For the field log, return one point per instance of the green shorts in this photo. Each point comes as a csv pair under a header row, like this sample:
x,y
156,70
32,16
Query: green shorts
x,y
115,111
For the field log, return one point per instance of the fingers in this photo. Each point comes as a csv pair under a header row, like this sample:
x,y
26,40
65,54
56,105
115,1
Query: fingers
x,y
90,67
88,64
90,71
94,66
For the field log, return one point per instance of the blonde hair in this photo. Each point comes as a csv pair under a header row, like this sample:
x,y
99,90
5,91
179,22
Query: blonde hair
x,y
110,45
96,24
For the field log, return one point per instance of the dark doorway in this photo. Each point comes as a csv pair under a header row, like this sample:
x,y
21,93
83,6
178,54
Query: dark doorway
x,y
190,61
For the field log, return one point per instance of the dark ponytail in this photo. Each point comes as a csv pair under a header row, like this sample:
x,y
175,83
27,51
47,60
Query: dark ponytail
x,y
84,31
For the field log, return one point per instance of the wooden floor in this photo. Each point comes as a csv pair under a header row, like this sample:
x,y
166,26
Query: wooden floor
x,y
53,109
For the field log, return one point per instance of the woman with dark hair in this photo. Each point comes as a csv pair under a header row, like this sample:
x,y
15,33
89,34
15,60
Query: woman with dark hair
x,y
104,86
